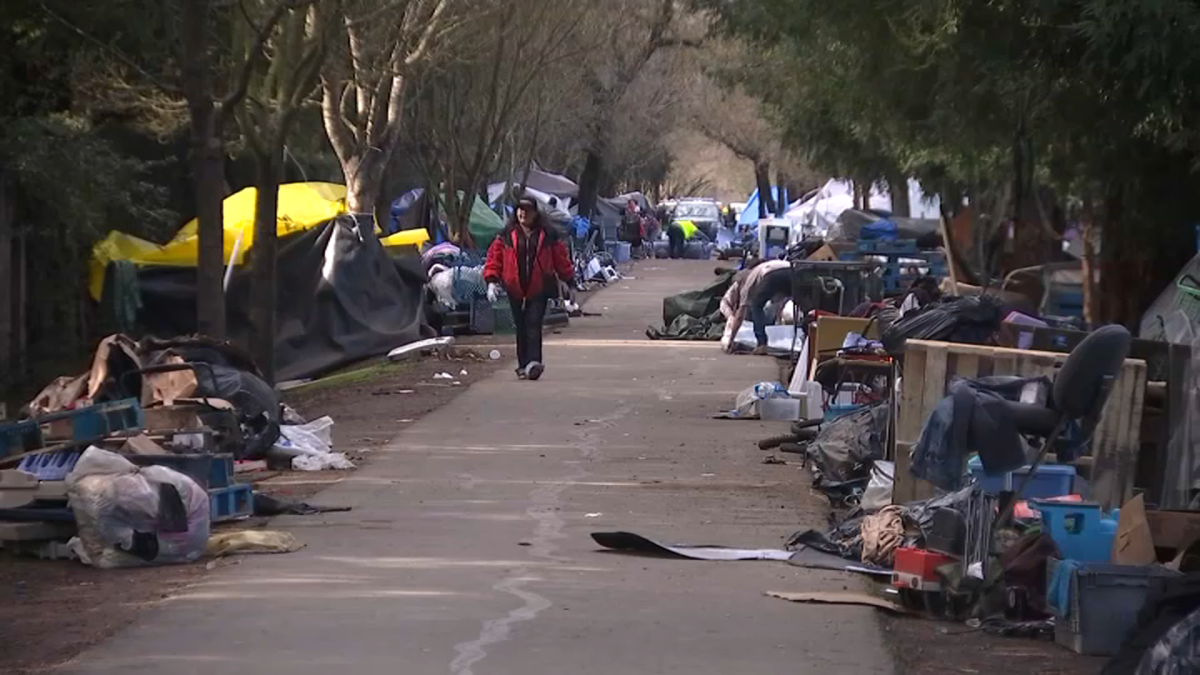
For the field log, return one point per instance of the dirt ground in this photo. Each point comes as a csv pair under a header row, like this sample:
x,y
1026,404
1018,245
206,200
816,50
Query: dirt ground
x,y
927,647
52,610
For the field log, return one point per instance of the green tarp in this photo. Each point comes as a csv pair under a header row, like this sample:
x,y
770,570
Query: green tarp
x,y
484,223
694,315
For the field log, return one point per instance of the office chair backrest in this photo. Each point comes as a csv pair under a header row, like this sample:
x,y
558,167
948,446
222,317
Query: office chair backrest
x,y
1087,376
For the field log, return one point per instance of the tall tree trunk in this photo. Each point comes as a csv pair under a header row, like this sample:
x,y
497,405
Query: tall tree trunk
x,y
364,182
7,287
207,162
208,181
264,258
898,188
589,180
782,181
762,180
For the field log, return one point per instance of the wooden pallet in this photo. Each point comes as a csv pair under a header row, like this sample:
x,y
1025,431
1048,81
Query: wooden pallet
x,y
929,367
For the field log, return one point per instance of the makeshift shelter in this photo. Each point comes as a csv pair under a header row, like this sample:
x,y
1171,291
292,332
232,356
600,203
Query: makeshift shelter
x,y
555,208
821,210
483,223
545,182
302,206
749,214
609,209
1176,311
344,299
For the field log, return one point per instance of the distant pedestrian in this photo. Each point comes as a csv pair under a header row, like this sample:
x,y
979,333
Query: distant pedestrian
x,y
632,229
527,260
766,283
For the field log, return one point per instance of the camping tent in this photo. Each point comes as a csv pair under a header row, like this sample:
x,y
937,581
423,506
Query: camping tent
x,y
301,206
749,214
820,211
554,207
483,223
342,298
546,182
609,209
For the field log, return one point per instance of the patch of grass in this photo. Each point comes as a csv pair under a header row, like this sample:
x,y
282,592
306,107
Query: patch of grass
x,y
368,373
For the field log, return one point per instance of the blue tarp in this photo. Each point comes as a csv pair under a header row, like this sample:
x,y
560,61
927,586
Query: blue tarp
x,y
883,229
749,215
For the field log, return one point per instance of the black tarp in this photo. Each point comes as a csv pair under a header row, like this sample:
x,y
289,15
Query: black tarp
x,y
694,315
341,299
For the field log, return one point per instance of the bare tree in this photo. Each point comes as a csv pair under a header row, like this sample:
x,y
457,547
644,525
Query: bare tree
x,y
379,47
463,113
277,88
633,32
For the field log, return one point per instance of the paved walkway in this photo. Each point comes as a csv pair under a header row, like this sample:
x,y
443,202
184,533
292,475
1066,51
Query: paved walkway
x,y
468,552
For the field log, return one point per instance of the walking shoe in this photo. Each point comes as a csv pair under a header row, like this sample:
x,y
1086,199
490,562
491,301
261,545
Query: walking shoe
x,y
759,351
521,374
535,370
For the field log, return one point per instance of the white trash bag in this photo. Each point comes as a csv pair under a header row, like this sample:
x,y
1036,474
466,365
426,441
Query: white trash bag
x,y
311,446
124,517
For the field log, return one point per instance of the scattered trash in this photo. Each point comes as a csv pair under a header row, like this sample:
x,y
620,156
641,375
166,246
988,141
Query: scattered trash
x,y
310,446
592,515
415,348
443,376
772,459
130,516
494,355
251,541
266,505
463,371
840,599
634,543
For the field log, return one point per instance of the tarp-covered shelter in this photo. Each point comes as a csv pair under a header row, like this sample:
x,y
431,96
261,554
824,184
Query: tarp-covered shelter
x,y
546,182
749,215
609,210
1177,308
301,206
820,211
342,298
483,223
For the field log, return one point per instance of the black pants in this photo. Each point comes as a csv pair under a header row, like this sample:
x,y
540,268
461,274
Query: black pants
x,y
675,241
527,318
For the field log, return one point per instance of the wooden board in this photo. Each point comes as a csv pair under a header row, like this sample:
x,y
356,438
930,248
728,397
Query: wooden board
x,y
930,366
839,598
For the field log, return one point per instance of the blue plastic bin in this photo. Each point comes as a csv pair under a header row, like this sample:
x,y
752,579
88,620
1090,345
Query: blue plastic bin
x,y
1079,529
1052,480
1103,606
835,411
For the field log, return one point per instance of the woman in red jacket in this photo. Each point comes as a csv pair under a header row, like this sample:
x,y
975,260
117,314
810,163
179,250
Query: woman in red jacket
x,y
527,259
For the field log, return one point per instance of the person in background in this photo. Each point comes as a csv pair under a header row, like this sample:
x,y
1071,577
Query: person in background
x,y
766,282
631,226
923,291
527,260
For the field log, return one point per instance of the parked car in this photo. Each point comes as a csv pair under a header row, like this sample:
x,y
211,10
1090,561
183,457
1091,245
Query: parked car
x,y
704,214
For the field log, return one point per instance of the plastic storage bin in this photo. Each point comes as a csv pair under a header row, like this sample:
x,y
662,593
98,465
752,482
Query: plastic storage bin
x,y
835,411
1079,529
1103,606
1052,480
619,250
779,409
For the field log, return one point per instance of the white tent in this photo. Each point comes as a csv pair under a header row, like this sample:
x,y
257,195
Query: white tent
x,y
821,210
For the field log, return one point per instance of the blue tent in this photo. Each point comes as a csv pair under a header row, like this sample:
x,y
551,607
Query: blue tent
x,y
749,215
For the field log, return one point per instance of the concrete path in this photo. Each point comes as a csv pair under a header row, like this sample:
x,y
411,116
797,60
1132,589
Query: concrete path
x,y
468,551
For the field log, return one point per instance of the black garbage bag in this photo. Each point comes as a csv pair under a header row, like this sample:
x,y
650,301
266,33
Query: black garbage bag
x,y
256,402
970,320
846,447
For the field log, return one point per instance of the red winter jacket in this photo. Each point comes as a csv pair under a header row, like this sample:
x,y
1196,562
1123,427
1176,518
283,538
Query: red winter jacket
x,y
551,260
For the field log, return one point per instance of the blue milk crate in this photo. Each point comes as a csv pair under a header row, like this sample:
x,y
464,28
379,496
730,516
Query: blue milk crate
x,y
19,437
230,503
100,420
50,465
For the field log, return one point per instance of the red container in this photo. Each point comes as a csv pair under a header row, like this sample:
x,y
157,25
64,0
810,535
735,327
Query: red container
x,y
916,568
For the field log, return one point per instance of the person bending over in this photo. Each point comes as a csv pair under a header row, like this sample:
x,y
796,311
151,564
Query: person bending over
x,y
527,260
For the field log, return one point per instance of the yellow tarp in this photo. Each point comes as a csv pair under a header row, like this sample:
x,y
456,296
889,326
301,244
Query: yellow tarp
x,y
416,237
301,206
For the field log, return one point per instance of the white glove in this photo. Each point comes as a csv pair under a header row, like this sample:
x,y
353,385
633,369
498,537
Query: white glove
x,y
493,292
